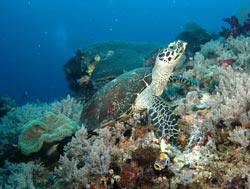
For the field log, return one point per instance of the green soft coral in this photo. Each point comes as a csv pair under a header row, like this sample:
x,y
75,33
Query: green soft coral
x,y
48,128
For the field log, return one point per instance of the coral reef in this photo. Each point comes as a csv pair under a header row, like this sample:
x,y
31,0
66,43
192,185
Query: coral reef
x,y
240,136
84,157
129,175
23,175
219,113
69,107
236,29
6,105
11,127
231,103
11,124
212,150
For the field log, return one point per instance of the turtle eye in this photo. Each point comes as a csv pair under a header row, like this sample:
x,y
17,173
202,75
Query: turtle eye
x,y
171,47
174,47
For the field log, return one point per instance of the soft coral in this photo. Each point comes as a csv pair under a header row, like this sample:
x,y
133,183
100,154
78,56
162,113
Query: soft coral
x,y
236,28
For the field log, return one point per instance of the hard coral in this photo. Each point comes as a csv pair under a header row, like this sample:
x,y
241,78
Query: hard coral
x,y
236,28
145,156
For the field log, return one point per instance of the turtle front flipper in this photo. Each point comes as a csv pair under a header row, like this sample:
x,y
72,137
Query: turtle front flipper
x,y
180,79
163,119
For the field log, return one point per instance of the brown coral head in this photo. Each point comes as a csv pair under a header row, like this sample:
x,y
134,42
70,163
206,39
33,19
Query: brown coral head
x,y
140,131
145,156
128,175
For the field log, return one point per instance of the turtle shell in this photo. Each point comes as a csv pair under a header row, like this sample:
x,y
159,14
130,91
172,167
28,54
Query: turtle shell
x,y
115,98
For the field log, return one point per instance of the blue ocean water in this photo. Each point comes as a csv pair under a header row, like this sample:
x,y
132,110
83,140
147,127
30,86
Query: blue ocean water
x,y
38,36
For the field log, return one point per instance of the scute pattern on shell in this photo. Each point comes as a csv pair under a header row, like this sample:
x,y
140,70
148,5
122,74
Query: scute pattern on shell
x,y
115,98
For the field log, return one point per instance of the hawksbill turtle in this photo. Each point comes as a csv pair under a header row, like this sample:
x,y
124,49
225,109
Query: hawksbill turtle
x,y
130,93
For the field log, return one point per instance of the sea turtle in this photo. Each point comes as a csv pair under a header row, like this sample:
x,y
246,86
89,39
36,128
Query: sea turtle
x,y
130,93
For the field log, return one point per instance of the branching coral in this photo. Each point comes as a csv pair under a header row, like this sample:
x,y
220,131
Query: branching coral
x,y
69,107
21,176
84,157
232,48
232,101
6,105
12,124
241,47
236,28
240,136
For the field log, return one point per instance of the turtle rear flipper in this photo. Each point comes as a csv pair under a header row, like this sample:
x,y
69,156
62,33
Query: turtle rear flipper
x,y
163,119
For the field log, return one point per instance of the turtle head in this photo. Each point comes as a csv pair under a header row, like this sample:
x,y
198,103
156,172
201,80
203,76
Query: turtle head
x,y
170,56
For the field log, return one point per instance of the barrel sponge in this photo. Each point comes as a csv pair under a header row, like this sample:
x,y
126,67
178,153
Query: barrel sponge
x,y
48,128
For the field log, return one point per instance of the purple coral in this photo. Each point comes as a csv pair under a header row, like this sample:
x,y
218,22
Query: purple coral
x,y
128,174
236,183
236,28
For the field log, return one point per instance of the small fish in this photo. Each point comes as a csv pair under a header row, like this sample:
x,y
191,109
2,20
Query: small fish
x,y
227,62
